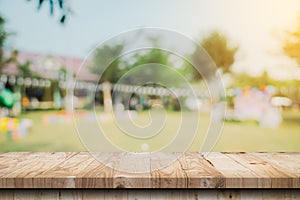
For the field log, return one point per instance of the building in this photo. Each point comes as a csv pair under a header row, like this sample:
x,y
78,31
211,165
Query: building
x,y
45,85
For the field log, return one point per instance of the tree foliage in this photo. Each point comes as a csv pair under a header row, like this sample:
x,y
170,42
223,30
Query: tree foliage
x,y
291,46
59,5
245,80
149,59
111,68
25,70
106,63
218,47
3,37
4,60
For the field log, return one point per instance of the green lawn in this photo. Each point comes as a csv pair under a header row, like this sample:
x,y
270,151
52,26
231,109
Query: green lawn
x,y
236,136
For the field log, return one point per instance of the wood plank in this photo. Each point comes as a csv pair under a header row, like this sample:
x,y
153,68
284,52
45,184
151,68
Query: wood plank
x,y
23,170
115,194
204,194
32,164
269,175
200,172
139,194
121,194
116,178
288,162
97,175
65,174
69,167
236,175
170,175
49,194
282,161
71,194
8,161
171,194
187,170
37,194
134,171
7,194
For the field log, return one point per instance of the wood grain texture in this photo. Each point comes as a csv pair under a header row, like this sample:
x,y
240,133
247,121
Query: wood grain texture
x,y
165,174
200,172
237,176
149,170
269,176
147,194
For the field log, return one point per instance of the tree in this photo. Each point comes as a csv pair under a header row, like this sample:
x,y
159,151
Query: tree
x,y
245,80
152,60
291,46
106,63
25,70
59,5
218,48
3,36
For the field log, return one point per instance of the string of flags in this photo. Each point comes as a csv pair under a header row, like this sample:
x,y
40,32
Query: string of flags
x,y
27,81
159,91
141,90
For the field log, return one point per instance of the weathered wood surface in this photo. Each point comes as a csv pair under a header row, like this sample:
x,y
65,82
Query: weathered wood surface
x,y
190,170
145,194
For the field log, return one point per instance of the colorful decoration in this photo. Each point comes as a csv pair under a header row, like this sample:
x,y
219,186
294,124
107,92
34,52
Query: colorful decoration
x,y
255,104
14,128
57,119
66,118
7,98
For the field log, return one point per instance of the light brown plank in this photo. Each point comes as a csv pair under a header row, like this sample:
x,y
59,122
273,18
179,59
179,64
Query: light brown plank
x,y
121,170
188,170
287,162
25,168
69,167
236,175
8,161
171,175
97,175
200,173
31,164
269,175
64,175
134,171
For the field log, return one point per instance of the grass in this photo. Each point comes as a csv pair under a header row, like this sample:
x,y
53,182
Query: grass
x,y
247,136
251,137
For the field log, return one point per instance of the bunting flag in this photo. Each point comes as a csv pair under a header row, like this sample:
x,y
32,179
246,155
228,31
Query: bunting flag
x,y
25,81
142,90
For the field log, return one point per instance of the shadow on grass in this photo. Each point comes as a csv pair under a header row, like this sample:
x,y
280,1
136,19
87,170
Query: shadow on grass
x,y
10,146
292,119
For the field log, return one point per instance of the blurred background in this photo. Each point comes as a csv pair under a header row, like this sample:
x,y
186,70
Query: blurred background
x,y
43,44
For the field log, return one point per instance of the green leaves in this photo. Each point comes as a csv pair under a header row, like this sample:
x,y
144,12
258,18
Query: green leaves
x,y
56,5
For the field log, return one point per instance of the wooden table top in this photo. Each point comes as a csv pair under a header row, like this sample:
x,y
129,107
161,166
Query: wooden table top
x,y
190,170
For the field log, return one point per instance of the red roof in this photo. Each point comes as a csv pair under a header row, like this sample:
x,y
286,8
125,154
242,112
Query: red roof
x,y
48,65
